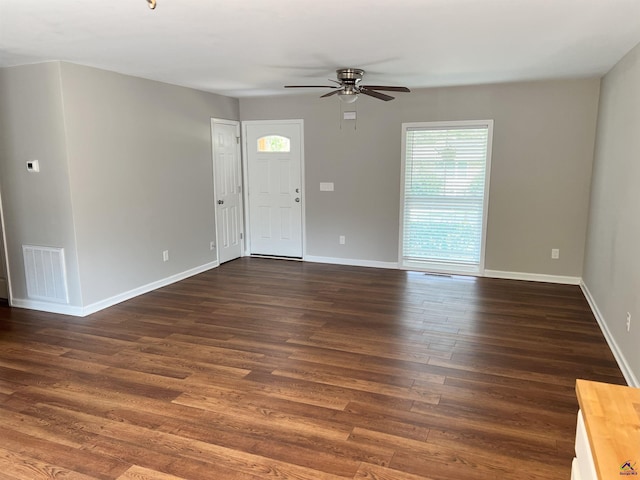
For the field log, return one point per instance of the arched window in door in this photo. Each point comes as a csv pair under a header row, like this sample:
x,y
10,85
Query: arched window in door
x,y
274,143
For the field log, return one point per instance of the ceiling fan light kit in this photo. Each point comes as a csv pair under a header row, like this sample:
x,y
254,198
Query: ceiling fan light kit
x,y
347,96
349,87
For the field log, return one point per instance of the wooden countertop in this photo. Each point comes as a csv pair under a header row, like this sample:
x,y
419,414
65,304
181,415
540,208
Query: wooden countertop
x,y
612,419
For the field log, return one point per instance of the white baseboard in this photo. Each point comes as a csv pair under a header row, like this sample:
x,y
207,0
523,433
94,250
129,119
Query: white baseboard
x,y
533,277
50,307
351,262
631,379
109,302
102,304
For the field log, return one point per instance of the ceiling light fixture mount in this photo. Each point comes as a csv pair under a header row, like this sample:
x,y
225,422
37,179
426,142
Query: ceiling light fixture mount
x,y
151,4
349,78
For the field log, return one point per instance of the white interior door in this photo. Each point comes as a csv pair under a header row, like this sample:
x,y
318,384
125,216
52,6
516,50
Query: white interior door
x,y
274,187
228,188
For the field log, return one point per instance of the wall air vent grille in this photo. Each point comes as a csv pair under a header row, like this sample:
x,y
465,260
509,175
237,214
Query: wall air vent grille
x,y
45,273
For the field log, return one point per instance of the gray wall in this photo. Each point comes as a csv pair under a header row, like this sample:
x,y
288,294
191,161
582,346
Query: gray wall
x,y
37,206
540,178
612,259
141,177
126,172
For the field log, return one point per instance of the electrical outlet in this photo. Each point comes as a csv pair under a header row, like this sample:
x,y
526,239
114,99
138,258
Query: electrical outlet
x,y
342,240
165,255
212,245
628,322
555,253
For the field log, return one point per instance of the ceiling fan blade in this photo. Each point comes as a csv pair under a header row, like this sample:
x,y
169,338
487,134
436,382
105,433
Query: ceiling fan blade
x,y
310,86
330,93
373,93
388,89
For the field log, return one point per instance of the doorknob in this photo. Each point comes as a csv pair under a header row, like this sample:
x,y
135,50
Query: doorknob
x,y
298,199
220,202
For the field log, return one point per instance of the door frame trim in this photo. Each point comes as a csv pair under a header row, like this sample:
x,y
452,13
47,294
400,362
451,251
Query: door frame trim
x,y
4,256
245,179
236,124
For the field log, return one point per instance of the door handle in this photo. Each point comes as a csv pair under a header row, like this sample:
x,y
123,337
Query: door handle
x,y
298,199
220,202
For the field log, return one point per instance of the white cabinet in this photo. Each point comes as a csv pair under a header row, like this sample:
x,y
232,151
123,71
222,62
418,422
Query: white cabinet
x,y
608,432
575,471
583,467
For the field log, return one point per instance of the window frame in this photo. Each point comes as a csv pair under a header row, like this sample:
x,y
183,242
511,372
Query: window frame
x,y
446,267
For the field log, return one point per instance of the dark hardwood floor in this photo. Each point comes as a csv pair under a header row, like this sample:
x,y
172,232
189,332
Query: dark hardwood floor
x,y
286,370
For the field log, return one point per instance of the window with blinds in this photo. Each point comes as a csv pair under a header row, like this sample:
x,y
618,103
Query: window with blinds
x,y
445,187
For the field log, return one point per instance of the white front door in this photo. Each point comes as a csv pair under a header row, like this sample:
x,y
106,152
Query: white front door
x,y
228,188
274,187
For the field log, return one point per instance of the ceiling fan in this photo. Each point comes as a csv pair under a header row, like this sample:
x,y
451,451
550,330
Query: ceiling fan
x,y
349,86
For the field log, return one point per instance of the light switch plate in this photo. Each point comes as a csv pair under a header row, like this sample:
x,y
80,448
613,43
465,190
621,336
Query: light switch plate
x,y
349,115
326,186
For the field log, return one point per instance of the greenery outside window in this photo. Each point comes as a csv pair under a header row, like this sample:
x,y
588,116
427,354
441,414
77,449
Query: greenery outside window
x,y
445,185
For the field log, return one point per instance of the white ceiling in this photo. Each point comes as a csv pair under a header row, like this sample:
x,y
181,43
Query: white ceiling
x,y
254,47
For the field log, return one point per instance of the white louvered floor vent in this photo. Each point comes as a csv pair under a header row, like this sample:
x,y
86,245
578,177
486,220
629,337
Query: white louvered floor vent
x,y
45,273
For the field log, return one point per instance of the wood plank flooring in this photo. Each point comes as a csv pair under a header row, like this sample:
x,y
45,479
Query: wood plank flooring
x,y
268,369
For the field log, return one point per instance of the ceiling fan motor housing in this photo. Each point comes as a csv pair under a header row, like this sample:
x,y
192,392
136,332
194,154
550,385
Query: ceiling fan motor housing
x,y
349,76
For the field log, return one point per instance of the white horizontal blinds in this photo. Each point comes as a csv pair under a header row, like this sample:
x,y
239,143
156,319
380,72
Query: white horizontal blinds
x,y
444,194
